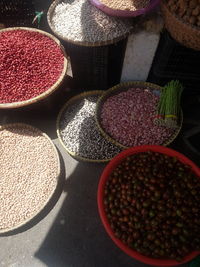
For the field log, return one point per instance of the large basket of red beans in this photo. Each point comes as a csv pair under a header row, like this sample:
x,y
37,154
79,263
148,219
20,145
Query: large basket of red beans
x,y
126,116
32,66
182,20
149,204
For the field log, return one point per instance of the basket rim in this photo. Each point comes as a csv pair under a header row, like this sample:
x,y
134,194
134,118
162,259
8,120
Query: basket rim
x,y
125,13
28,126
67,104
193,27
54,87
81,43
124,86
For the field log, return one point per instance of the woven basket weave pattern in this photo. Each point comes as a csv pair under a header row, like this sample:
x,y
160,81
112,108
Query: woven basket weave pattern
x,y
181,31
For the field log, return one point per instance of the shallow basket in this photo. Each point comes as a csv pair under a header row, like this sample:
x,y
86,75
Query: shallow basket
x,y
125,13
124,87
181,31
90,44
67,104
52,88
58,170
174,61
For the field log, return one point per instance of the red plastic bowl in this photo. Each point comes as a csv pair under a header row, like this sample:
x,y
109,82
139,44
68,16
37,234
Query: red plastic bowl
x,y
125,13
106,173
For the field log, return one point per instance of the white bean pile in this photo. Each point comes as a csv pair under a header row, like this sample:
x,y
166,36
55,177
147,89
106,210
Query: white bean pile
x,y
29,168
80,134
130,5
80,21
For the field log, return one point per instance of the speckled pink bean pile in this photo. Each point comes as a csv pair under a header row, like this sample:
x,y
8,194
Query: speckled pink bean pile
x,y
128,117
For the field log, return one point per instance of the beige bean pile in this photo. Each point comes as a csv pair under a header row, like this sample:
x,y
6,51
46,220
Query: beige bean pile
x,y
129,5
80,21
29,169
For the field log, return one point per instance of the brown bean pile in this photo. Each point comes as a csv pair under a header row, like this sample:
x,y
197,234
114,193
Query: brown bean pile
x,y
188,10
130,5
152,203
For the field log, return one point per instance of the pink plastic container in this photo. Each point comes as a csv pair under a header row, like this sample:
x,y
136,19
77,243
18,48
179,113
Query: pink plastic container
x,y
100,197
125,13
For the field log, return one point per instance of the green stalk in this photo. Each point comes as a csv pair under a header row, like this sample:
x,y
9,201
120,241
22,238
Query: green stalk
x,y
169,103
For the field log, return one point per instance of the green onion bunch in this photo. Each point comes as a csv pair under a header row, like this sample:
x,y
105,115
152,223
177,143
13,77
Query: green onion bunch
x,y
169,109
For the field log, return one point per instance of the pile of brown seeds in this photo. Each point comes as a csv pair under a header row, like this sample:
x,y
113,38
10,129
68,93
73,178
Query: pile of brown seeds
x,y
28,174
129,5
152,203
188,10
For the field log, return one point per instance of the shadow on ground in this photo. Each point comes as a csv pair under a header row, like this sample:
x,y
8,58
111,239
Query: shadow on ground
x,y
77,237
48,207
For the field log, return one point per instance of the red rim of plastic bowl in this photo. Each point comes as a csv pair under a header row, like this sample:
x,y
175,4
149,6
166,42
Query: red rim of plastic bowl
x,y
125,13
100,196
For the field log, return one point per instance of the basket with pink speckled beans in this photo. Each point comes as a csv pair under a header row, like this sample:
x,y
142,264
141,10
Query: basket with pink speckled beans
x,y
126,114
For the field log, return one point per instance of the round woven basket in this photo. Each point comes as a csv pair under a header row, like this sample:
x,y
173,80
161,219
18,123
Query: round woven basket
x,y
67,104
124,87
125,13
58,169
90,44
181,31
52,88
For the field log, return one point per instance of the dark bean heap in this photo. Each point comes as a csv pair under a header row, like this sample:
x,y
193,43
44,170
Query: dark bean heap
x,y
188,10
152,202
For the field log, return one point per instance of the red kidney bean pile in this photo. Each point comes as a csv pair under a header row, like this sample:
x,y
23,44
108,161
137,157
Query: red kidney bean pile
x,y
30,63
152,202
128,117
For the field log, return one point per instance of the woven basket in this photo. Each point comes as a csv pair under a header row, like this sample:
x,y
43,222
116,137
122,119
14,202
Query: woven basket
x,y
15,13
124,87
90,44
13,125
102,61
52,88
67,104
181,31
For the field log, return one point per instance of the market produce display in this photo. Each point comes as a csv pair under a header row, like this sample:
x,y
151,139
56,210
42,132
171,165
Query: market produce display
x,y
29,173
80,22
148,195
31,63
151,202
189,11
131,5
129,117
78,131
